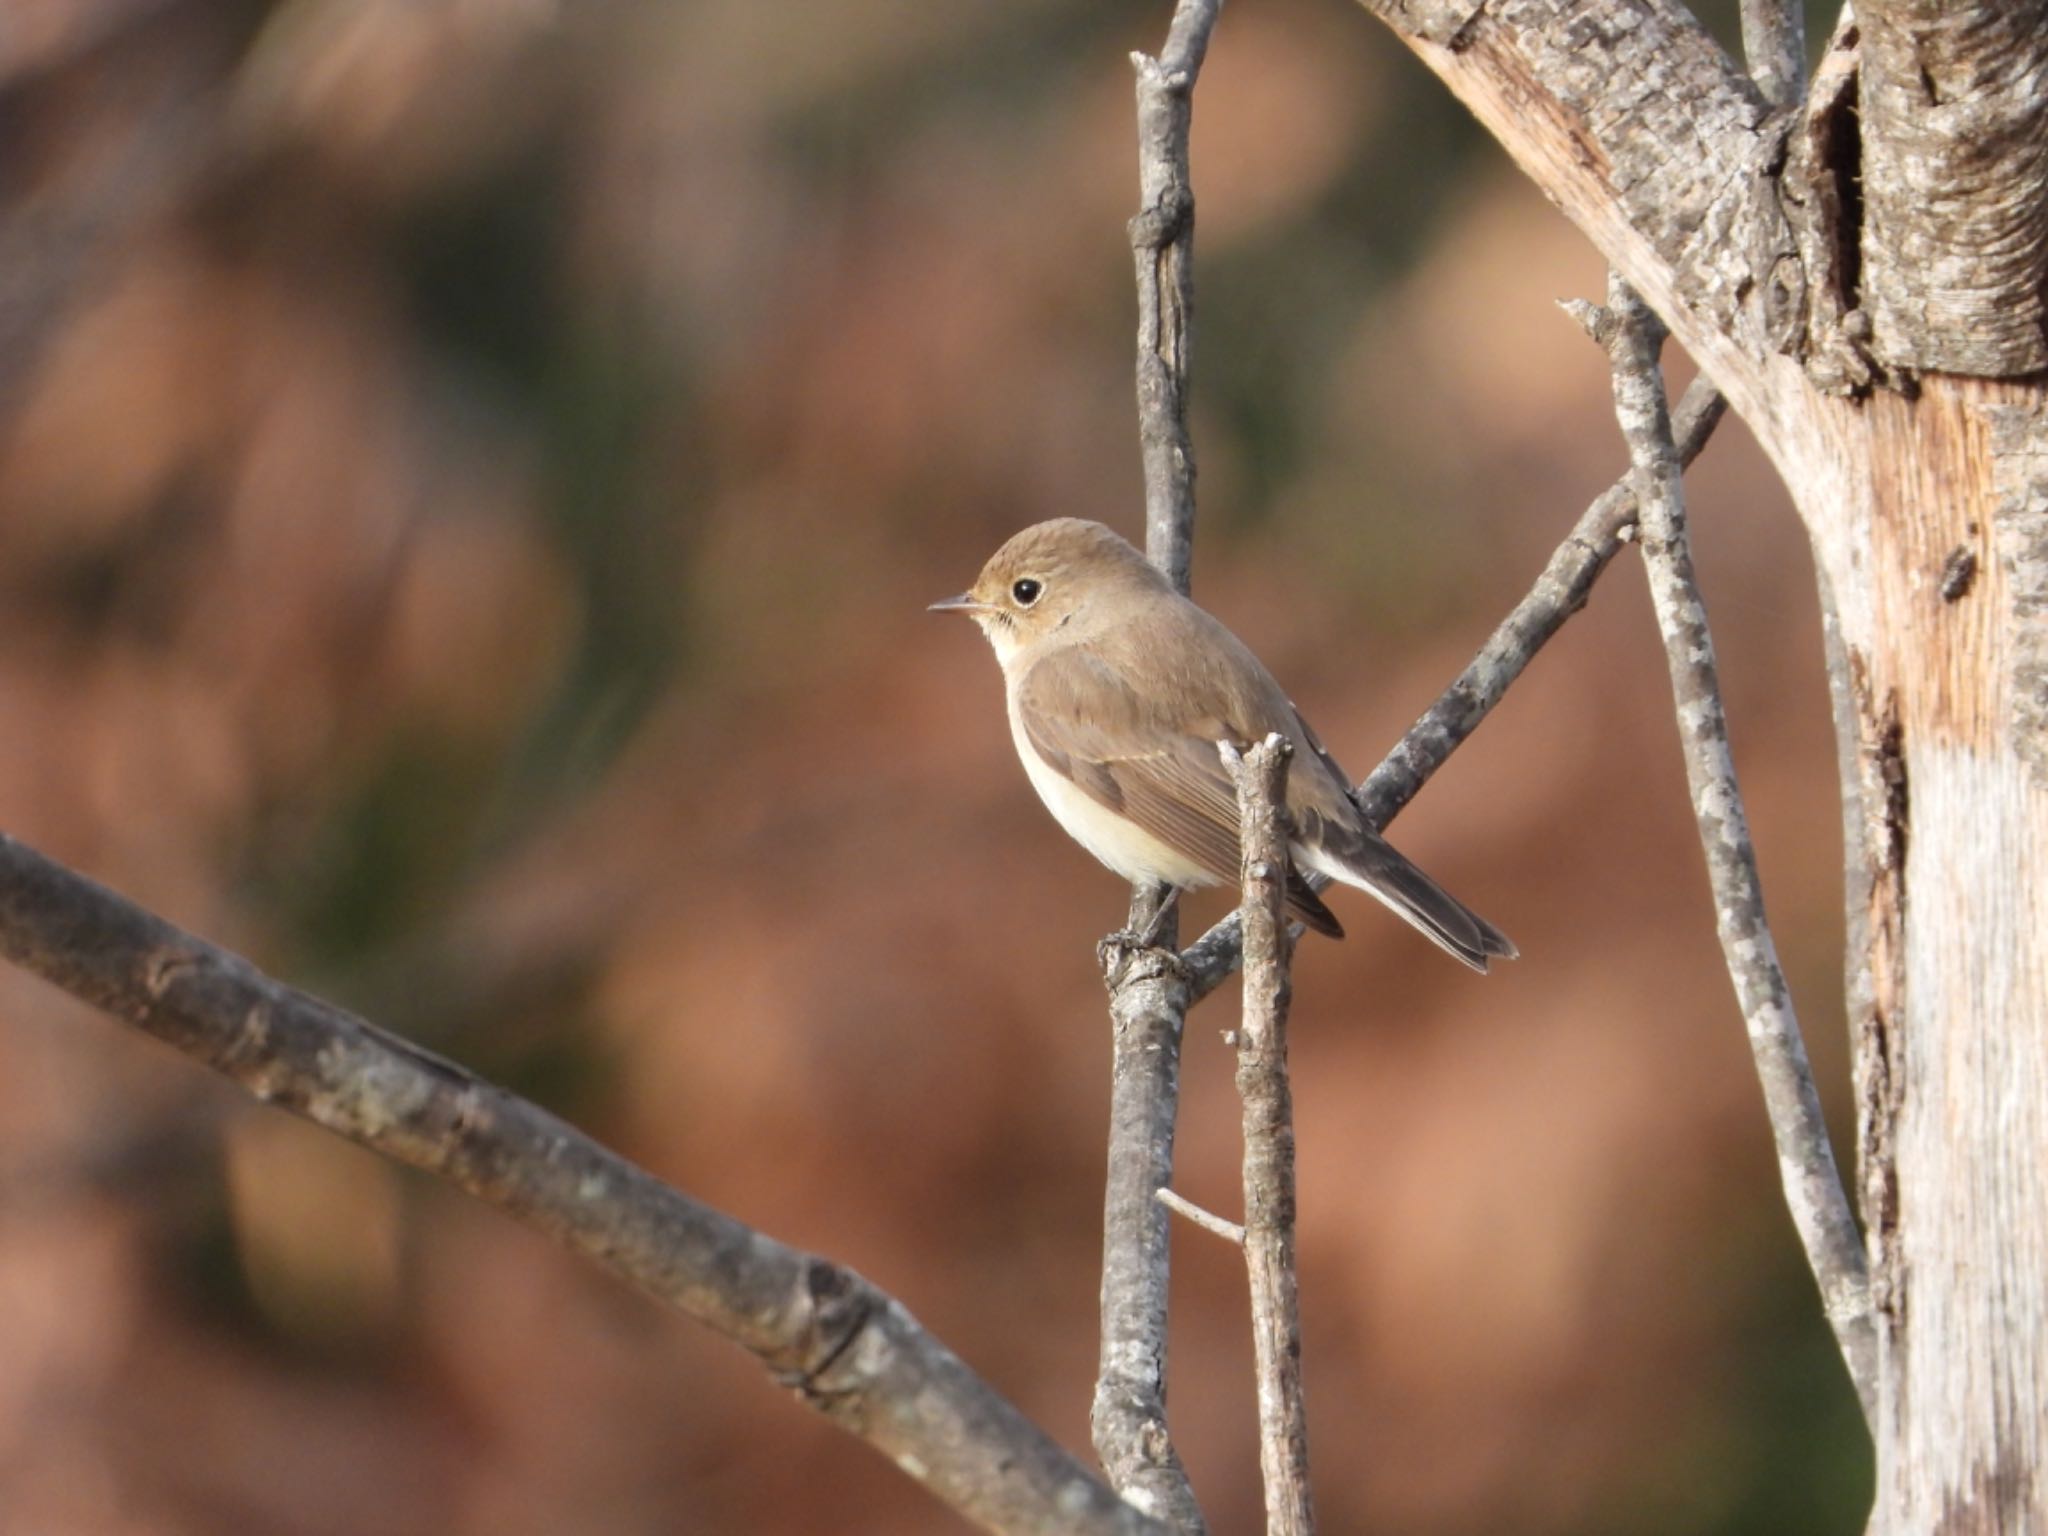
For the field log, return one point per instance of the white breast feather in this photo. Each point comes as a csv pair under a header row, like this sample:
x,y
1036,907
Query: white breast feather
x,y
1115,840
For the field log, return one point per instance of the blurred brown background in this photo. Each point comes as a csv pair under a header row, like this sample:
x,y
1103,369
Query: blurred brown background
x,y
470,476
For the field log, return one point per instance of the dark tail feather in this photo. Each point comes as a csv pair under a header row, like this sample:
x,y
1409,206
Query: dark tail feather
x,y
1368,861
1307,907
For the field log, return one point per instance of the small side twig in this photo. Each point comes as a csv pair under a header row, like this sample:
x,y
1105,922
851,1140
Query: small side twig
x,y
1149,996
1208,1221
1261,777
1806,1161
846,1348
1559,592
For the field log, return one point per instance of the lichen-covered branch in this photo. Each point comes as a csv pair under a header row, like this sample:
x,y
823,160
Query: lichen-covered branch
x,y
1806,1161
845,1348
1149,996
1559,592
1260,774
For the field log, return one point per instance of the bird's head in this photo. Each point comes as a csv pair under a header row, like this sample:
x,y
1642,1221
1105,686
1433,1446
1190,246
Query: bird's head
x,y
1048,577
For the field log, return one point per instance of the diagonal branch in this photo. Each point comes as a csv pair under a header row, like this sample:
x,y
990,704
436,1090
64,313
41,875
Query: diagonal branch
x,y
1559,592
1651,139
844,1347
1149,996
1260,774
1208,1221
1806,1161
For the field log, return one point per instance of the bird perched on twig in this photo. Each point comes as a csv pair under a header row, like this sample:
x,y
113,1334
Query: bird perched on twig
x,y
1120,690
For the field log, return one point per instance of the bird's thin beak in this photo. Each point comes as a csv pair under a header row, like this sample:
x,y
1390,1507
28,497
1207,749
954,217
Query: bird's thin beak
x,y
964,603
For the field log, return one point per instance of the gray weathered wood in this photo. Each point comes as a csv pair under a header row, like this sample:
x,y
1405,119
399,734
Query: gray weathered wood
x,y
1260,774
843,1347
1163,250
1913,190
1149,995
1650,138
1149,1000
1813,1187
1951,1024
1774,47
1954,112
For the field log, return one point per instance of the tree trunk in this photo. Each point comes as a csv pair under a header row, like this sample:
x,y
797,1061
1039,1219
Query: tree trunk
x,y
1866,280
1938,506
1929,508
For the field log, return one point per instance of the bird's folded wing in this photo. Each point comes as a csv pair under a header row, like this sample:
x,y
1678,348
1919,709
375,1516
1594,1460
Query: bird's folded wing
x,y
1090,728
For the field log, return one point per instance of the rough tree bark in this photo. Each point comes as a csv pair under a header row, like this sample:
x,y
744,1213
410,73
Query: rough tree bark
x,y
1821,263
851,1352
1260,774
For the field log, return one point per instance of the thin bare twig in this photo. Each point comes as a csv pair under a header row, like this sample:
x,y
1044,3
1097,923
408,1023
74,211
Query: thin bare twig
x,y
1260,774
1163,251
1806,1161
843,1346
1208,1221
1149,996
1559,592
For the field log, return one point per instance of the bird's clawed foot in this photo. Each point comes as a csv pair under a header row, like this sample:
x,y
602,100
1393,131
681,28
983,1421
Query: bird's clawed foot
x,y
1118,952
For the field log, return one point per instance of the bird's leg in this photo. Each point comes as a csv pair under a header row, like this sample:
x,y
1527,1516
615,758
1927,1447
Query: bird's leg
x,y
1164,905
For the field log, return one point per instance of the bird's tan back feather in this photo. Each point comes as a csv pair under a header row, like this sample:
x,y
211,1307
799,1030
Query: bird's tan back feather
x,y
1091,727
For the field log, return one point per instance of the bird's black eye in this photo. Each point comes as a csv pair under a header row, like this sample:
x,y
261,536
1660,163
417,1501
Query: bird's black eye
x,y
1026,591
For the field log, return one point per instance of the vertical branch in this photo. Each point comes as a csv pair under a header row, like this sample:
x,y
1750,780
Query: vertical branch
x,y
1774,46
1149,996
1163,251
1806,1162
1261,777
1148,1008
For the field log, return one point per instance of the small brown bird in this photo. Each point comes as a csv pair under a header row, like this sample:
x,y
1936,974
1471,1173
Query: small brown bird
x,y
1120,690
